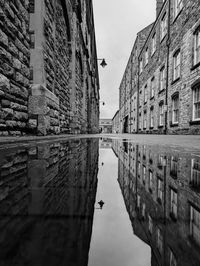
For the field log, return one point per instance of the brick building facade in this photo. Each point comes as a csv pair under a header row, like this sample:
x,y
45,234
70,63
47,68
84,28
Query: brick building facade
x,y
48,75
160,187
164,95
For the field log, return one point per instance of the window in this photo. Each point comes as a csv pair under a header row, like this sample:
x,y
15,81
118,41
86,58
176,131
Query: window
x,y
162,79
150,224
159,240
195,173
161,161
152,90
152,117
195,224
196,102
174,166
31,6
143,210
146,56
159,189
161,114
178,5
163,26
145,94
175,109
197,46
153,48
141,65
176,65
138,201
145,120
173,203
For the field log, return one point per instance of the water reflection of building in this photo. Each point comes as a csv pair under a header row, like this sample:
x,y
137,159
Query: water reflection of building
x,y
47,196
105,143
161,192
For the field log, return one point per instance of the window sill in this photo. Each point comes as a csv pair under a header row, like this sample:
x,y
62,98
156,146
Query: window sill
x,y
176,80
161,91
195,122
173,124
195,66
177,15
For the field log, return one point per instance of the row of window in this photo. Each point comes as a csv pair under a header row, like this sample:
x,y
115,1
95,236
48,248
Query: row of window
x,y
176,66
174,110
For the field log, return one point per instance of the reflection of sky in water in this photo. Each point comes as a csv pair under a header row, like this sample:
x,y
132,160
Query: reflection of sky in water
x,y
113,242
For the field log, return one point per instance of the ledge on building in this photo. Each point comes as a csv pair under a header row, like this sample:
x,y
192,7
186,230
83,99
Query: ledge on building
x,y
173,124
176,80
160,91
194,122
195,66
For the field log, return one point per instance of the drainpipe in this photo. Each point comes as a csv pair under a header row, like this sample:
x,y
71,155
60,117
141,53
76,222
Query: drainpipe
x,y
138,93
167,70
131,87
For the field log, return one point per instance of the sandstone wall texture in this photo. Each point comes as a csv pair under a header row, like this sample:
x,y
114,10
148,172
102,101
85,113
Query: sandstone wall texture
x,y
175,31
48,74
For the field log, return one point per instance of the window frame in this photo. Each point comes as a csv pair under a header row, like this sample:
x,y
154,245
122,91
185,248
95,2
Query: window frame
x,y
177,65
153,44
163,26
162,78
196,48
175,110
161,114
194,102
178,6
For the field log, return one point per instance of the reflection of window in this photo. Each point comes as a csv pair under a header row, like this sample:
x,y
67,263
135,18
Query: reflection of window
x,y
159,189
172,259
150,179
139,169
173,203
161,161
150,224
174,166
159,240
196,102
144,173
138,201
195,224
140,121
195,173
143,209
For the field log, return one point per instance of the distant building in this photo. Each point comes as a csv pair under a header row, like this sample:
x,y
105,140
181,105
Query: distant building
x,y
115,123
49,80
105,125
160,88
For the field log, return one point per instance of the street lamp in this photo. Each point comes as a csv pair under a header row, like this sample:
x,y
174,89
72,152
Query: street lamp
x,y
103,62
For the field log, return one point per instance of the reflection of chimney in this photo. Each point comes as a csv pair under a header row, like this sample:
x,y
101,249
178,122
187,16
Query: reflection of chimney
x,y
159,4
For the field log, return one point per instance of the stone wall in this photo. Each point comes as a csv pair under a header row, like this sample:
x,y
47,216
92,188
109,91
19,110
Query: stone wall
x,y
48,58
14,67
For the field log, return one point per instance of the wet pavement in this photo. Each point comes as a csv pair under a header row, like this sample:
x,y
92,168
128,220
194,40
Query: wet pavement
x,y
50,193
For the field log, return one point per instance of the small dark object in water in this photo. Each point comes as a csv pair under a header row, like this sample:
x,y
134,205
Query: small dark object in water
x,y
101,203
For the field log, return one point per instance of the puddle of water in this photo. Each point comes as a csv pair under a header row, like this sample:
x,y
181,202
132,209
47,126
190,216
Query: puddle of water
x,y
49,212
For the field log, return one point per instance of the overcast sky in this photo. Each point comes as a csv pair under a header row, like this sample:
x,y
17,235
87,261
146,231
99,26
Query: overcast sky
x,y
117,23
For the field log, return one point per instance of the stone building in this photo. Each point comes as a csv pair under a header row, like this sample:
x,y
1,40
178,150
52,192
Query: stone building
x,y
105,125
115,123
48,75
161,192
166,80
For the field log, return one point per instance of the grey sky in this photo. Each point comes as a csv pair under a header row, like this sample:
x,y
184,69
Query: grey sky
x,y
117,23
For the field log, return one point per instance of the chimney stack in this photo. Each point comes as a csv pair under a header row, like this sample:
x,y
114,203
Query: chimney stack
x,y
159,4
